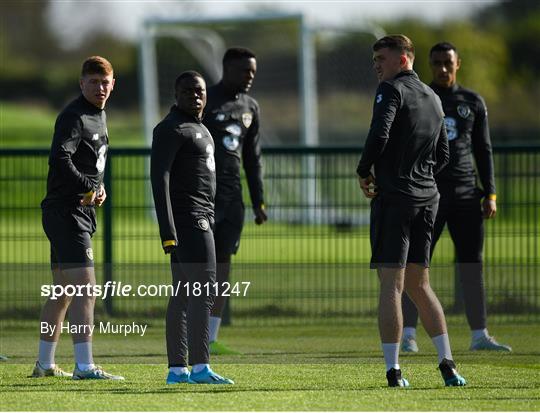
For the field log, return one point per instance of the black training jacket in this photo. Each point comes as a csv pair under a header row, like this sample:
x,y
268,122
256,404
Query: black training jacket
x,y
468,136
182,172
78,154
233,121
407,143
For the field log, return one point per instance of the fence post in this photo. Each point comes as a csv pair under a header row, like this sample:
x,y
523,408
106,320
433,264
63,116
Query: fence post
x,y
108,235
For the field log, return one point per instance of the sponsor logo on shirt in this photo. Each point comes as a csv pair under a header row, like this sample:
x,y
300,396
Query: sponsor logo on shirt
x,y
451,128
231,143
464,111
100,163
247,118
203,224
95,136
198,135
210,161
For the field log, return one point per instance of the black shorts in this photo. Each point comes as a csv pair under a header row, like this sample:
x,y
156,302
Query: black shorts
x,y
69,231
228,229
400,234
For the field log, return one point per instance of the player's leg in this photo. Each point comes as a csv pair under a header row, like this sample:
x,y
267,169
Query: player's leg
x,y
54,310
198,260
466,227
410,312
389,243
176,325
419,289
227,239
77,265
52,316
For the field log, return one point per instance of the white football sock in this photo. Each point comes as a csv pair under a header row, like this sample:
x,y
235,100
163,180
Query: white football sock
x,y
199,367
46,354
179,370
409,332
442,344
213,325
83,355
478,334
391,355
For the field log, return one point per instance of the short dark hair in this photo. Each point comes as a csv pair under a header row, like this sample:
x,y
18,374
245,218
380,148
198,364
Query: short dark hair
x,y
443,47
235,53
397,42
188,74
96,65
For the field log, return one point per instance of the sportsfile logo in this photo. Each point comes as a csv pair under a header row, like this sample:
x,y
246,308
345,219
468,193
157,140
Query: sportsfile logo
x,y
119,289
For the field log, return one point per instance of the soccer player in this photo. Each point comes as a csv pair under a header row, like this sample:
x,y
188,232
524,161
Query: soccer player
x,y
74,187
406,145
460,205
184,185
232,117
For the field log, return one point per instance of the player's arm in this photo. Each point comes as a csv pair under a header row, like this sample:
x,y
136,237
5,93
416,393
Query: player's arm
x,y
66,140
251,157
165,145
385,107
483,155
442,150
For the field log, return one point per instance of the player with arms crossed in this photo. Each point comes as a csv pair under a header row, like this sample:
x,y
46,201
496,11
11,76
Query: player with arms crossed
x,y
460,206
407,146
232,117
184,185
74,186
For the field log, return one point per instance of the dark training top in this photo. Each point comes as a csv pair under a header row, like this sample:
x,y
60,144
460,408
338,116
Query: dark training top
x,y
407,141
233,121
182,172
78,154
468,137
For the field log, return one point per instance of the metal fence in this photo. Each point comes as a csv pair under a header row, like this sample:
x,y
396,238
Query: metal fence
x,y
309,263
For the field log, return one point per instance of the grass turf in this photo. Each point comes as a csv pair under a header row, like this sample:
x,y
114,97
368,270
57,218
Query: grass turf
x,y
293,368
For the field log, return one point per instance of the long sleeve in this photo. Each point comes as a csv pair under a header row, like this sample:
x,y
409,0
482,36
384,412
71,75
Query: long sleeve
x,y
387,103
66,140
482,150
251,156
165,145
442,151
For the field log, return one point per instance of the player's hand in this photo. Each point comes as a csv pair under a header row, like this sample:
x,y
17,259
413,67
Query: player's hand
x,y
169,249
489,208
368,186
101,196
169,246
260,215
88,199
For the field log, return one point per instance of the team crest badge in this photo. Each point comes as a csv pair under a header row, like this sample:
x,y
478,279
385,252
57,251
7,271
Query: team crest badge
x,y
247,118
203,224
464,111
90,254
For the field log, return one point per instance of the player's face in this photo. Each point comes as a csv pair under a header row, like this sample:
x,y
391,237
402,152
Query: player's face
x,y
387,63
191,95
238,74
96,88
444,66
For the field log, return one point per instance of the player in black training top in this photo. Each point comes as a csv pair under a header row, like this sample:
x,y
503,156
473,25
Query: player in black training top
x,y
407,146
232,117
74,186
184,185
460,205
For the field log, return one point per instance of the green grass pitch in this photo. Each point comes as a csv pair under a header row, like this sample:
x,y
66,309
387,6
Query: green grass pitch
x,y
325,367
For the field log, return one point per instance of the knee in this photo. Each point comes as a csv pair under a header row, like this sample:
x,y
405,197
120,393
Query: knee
x,y
417,288
62,302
